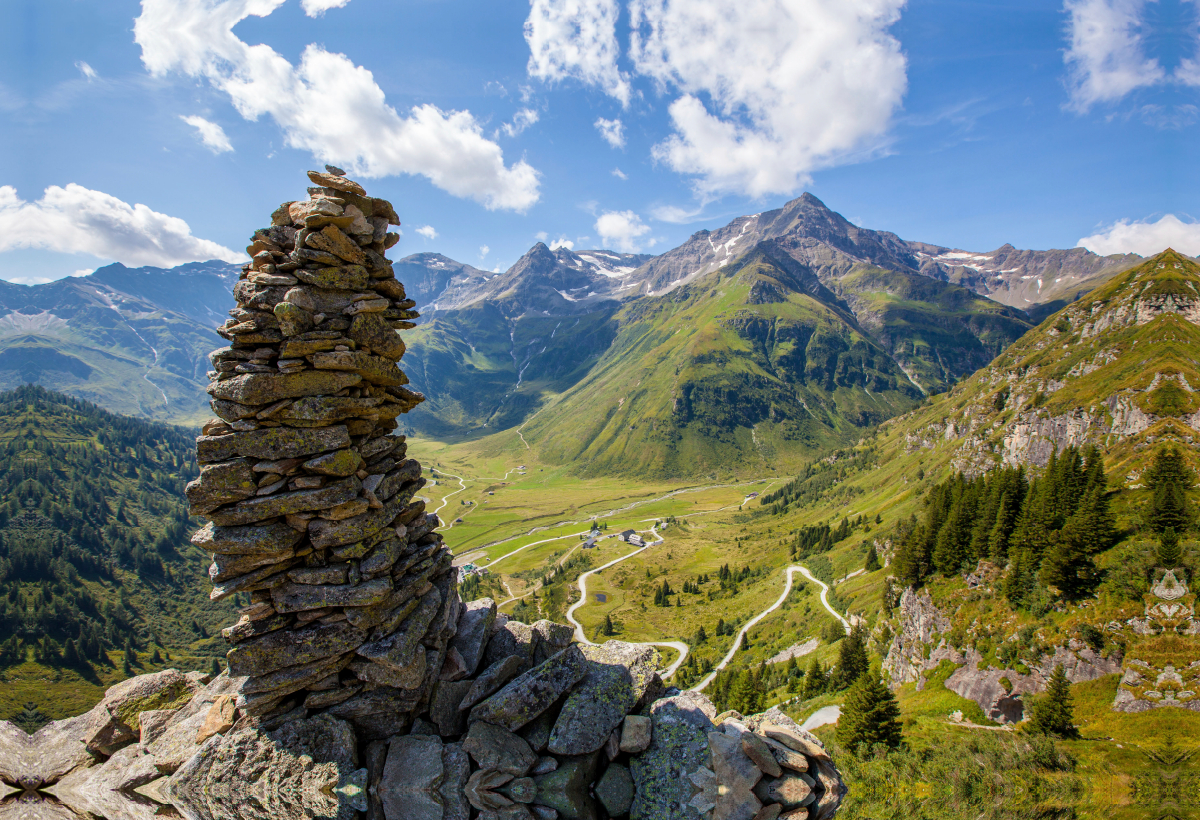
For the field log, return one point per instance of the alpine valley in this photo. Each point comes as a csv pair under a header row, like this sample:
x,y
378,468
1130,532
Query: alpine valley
x,y
792,454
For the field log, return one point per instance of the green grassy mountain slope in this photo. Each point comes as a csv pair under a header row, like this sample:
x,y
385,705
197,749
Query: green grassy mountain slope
x,y
744,369
936,331
135,341
95,564
1116,368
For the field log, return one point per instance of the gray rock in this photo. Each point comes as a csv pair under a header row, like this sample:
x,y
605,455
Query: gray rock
x,y
396,650
661,775
532,693
512,638
272,443
636,734
537,731
737,775
265,388
220,483
757,750
299,597
552,639
270,539
271,506
444,709
284,648
494,677
474,627
303,769
114,721
615,790
619,674
456,768
494,748
403,677
790,791
411,778
567,788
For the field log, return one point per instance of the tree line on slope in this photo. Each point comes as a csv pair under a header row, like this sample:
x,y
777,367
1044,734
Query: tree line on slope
x,y
92,510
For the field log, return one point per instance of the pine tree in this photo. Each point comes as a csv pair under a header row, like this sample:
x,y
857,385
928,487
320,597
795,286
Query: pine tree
x,y
701,636
1052,714
216,668
1169,552
872,563
1169,478
869,715
852,658
608,626
814,679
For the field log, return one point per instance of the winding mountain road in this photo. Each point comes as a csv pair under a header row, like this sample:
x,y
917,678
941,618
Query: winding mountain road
x,y
678,646
787,589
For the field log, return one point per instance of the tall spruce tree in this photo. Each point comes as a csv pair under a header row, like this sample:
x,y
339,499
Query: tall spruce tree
x,y
1169,478
1053,713
814,679
870,715
852,658
872,562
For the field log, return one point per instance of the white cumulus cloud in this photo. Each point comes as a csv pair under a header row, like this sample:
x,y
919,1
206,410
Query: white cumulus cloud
x,y
211,134
74,219
484,250
428,232
613,132
327,103
315,8
621,230
576,39
1106,58
562,242
765,91
1145,238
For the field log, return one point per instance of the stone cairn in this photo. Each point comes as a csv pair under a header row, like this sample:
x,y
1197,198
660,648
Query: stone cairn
x,y
351,594
358,681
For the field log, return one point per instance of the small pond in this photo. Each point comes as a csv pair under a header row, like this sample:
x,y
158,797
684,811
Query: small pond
x,y
601,597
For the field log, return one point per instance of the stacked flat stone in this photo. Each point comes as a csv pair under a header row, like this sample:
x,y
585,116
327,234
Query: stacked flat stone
x,y
352,600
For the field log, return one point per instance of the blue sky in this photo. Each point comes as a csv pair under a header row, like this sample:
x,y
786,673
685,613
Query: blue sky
x,y
167,131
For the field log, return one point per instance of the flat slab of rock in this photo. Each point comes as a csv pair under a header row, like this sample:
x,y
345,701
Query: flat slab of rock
x,y
286,503
265,388
615,790
275,538
299,597
532,693
284,648
619,674
272,443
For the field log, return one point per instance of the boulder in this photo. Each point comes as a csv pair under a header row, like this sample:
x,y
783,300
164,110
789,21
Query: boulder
x,y
614,790
492,747
619,675
474,627
533,692
411,778
662,775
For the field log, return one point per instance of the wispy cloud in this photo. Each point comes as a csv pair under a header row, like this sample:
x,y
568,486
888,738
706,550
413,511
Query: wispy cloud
x,y
1106,57
520,121
576,39
619,174
211,134
316,8
86,70
613,132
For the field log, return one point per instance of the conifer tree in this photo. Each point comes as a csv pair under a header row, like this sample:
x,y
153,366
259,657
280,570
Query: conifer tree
x,y
608,625
814,679
870,715
872,563
1169,478
216,668
1169,552
1053,713
852,658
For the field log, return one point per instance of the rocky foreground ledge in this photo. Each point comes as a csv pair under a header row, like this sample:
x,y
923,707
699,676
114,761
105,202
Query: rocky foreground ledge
x,y
544,729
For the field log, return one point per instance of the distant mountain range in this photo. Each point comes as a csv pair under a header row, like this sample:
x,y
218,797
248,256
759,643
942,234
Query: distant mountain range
x,y
494,348
133,340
